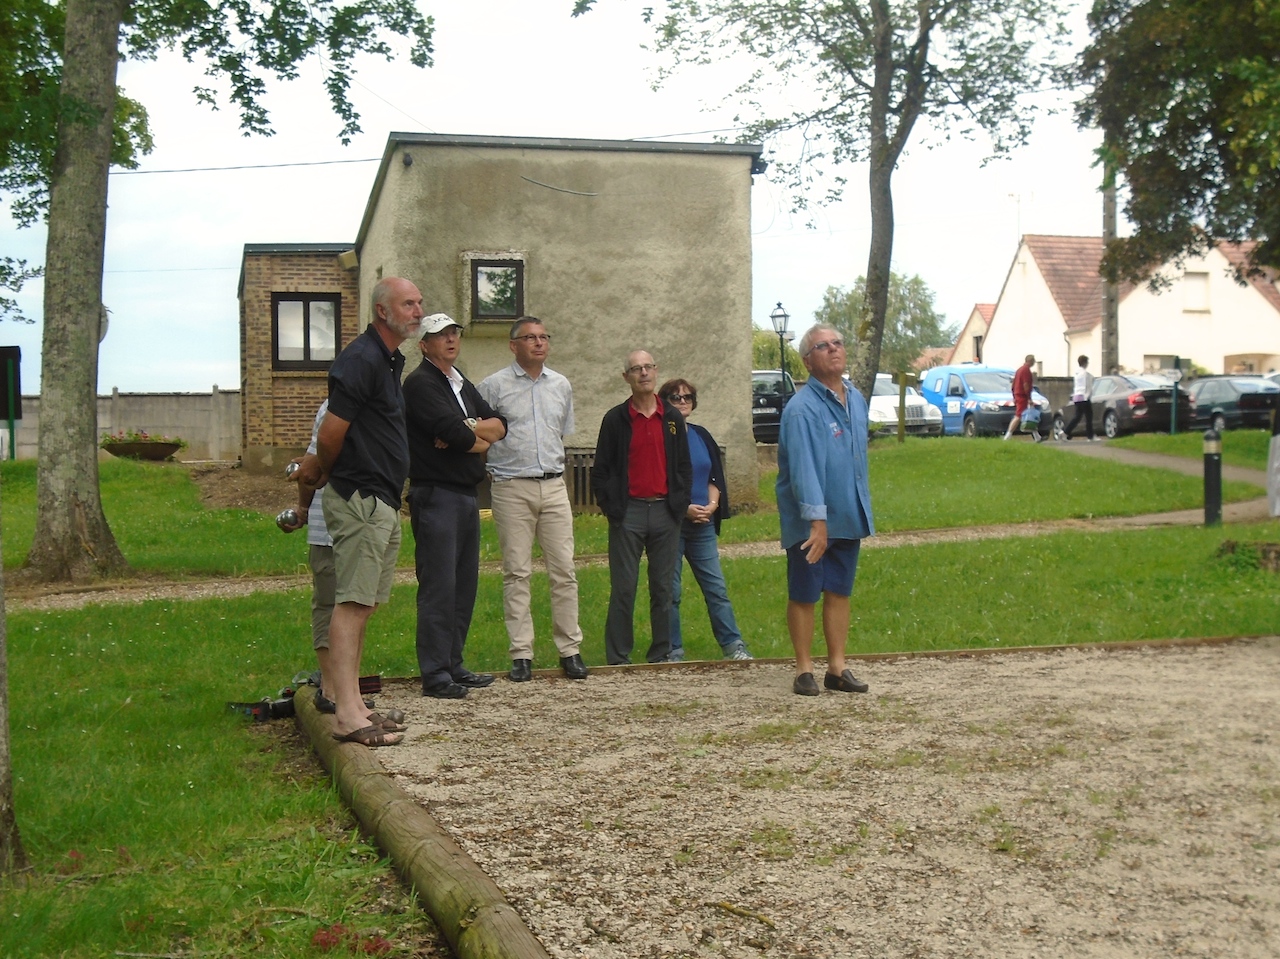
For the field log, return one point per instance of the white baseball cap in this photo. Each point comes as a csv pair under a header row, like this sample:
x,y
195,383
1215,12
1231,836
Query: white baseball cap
x,y
437,323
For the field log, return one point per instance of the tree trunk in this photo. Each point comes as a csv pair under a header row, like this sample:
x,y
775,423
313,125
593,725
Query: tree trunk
x,y
12,855
875,305
72,539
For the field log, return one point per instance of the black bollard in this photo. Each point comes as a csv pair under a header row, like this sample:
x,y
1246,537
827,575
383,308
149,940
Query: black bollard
x,y
1212,478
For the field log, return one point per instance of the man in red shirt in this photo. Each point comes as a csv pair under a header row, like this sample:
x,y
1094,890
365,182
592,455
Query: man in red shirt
x,y
1022,397
642,480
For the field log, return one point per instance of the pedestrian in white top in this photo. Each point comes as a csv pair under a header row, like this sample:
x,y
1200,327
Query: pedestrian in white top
x,y
530,499
1081,391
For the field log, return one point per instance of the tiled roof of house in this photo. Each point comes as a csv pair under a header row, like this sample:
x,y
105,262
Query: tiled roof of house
x,y
985,310
933,356
1265,282
1069,265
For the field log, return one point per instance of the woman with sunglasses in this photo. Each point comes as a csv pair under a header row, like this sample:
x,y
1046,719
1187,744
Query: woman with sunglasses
x,y
700,528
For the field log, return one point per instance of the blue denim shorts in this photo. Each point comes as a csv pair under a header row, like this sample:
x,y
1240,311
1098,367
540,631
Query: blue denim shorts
x,y
834,573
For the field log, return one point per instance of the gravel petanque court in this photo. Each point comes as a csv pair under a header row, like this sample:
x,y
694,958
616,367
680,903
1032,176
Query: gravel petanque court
x,y
1080,802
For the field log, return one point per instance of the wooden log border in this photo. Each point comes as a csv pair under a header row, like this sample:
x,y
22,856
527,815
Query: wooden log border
x,y
465,903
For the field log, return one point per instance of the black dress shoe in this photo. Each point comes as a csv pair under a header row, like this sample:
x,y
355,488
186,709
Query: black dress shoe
x,y
573,666
805,685
473,680
446,691
846,682
521,670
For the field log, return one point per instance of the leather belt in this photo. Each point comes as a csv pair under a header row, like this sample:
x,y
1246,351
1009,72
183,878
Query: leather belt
x,y
649,499
551,475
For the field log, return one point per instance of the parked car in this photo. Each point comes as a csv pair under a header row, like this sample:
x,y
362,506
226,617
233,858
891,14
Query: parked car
x,y
1130,404
922,417
977,400
1229,402
768,397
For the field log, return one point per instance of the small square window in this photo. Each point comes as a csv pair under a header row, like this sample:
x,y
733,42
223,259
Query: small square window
x,y
497,289
304,330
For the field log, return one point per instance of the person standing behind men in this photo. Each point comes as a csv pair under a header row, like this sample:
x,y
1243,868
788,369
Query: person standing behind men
x,y
824,505
310,513
1081,391
450,428
362,452
641,480
530,500
1022,397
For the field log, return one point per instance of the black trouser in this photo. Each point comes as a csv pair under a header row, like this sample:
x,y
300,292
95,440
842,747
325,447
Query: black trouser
x,y
1083,408
446,534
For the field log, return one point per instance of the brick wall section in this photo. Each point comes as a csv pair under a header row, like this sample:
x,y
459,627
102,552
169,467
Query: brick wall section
x,y
278,407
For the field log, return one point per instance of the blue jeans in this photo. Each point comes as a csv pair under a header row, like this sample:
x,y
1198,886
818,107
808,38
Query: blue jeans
x,y
698,545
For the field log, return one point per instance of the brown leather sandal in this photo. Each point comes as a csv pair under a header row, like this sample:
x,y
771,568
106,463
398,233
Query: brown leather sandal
x,y
370,736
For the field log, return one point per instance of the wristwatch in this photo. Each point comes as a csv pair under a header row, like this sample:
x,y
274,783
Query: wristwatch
x,y
471,422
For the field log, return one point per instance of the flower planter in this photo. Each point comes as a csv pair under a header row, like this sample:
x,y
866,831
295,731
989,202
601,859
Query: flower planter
x,y
142,450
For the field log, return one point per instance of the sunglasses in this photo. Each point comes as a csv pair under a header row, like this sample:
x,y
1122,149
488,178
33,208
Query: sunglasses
x,y
682,397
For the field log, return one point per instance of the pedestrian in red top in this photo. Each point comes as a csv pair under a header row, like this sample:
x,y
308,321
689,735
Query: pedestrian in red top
x,y
1022,397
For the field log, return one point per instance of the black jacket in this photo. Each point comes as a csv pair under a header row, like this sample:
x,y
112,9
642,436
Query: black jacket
x,y
716,478
610,480
432,412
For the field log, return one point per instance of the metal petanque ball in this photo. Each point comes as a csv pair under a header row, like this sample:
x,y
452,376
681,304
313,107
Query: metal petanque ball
x,y
288,519
291,469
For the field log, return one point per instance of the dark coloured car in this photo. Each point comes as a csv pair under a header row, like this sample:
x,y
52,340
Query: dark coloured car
x,y
1231,402
769,394
1132,404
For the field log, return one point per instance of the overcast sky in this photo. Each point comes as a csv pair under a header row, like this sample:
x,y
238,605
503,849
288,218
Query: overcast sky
x,y
505,68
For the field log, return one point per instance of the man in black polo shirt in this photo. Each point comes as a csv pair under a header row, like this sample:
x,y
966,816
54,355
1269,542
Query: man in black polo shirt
x,y
362,452
450,427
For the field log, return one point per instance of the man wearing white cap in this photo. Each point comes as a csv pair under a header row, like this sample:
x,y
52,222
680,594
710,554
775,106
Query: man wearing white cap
x,y
450,426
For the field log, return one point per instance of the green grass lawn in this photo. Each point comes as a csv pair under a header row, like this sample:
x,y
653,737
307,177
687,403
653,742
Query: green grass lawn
x,y
1248,448
161,526
158,823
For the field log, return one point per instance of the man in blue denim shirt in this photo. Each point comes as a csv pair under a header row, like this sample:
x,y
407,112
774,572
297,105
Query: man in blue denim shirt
x,y
824,504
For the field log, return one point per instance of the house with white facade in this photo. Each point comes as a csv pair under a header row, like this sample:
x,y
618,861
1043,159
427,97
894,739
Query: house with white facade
x,y
1052,300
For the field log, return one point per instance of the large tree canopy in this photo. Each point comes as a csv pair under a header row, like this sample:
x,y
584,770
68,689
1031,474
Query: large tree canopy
x,y
858,76
61,126
912,323
1187,94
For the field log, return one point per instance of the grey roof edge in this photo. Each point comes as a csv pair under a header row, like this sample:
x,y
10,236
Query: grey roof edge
x,y
251,249
398,139
571,143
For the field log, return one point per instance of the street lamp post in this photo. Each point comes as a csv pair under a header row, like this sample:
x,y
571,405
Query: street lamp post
x,y
779,318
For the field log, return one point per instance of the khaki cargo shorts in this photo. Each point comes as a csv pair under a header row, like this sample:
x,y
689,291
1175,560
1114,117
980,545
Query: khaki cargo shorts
x,y
366,542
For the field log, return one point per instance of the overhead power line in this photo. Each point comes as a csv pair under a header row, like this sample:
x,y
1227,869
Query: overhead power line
x,y
246,166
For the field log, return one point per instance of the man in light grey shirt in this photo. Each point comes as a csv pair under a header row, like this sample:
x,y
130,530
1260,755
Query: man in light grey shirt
x,y
530,499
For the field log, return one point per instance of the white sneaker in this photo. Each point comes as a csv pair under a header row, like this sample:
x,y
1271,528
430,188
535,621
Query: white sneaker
x,y
739,652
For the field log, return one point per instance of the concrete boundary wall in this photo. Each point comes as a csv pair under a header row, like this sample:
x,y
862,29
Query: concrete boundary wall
x,y
209,422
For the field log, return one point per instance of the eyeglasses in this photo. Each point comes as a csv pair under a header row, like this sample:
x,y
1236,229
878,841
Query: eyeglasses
x,y
534,337
642,368
682,397
826,345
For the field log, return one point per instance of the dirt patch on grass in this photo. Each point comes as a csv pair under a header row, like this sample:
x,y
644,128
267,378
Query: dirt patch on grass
x,y
1083,803
224,486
